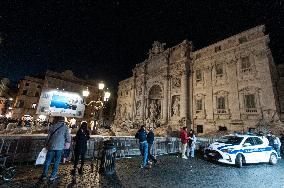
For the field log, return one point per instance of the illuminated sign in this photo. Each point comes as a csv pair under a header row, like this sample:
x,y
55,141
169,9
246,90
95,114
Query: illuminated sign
x,y
61,103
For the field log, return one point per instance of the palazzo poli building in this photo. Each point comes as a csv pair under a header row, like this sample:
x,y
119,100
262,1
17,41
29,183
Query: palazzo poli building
x,y
229,85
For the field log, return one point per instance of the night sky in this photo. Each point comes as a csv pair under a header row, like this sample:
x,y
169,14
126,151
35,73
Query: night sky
x,y
105,39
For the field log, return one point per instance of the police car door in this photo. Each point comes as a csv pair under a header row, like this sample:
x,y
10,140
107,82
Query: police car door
x,y
261,155
248,150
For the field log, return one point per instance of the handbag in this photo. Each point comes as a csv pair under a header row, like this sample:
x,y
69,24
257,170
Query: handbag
x,y
47,145
41,157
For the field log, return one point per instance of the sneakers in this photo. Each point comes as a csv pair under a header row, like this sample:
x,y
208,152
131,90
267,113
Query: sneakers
x,y
42,178
73,172
53,178
80,171
184,157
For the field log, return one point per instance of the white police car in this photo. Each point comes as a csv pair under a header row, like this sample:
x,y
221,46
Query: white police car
x,y
241,149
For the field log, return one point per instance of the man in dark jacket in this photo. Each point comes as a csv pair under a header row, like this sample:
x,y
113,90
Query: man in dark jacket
x,y
82,136
150,141
141,135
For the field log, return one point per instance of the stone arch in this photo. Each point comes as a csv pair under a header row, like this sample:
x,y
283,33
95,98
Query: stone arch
x,y
154,103
155,92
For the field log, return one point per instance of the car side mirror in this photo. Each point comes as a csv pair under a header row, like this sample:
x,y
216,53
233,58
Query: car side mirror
x,y
246,144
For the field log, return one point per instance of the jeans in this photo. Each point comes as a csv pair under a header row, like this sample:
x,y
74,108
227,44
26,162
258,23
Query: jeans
x,y
56,154
150,156
144,152
190,150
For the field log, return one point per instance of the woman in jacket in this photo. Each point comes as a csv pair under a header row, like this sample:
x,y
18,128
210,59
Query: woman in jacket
x,y
82,136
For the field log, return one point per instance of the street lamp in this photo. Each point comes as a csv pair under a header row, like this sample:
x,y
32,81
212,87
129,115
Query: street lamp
x,y
97,104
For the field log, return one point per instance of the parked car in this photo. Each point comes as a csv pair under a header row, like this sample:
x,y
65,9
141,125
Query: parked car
x,y
241,149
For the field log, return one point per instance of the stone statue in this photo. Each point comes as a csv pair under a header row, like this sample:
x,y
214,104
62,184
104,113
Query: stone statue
x,y
175,107
153,110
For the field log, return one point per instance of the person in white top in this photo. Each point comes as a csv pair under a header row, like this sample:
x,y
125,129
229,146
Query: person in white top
x,y
277,145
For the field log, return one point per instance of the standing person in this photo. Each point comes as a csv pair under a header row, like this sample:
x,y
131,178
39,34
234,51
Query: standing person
x,y
82,136
191,143
58,135
270,139
282,143
150,141
184,139
141,135
66,150
277,145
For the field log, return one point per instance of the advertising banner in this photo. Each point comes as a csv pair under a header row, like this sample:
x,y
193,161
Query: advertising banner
x,y
61,103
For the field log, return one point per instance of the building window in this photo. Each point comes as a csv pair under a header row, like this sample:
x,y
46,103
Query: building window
x,y
223,128
198,56
245,66
243,40
37,94
25,92
250,101
221,103
198,75
199,129
217,48
34,106
27,84
21,104
219,70
199,104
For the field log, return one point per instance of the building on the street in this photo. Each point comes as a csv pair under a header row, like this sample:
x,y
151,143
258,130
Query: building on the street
x,y
280,88
30,89
229,85
5,98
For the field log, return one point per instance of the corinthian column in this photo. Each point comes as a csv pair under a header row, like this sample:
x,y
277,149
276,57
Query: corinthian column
x,y
184,96
165,100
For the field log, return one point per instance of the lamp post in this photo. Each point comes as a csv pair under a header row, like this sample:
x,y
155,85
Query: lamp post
x,y
97,104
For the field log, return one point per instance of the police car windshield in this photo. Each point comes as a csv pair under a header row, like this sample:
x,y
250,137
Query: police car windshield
x,y
235,140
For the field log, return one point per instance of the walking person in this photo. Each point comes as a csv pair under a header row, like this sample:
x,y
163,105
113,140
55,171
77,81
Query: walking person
x,y
58,135
80,141
141,135
184,139
191,143
150,141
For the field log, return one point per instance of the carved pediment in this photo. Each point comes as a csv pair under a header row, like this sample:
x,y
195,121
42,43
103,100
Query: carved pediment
x,y
157,48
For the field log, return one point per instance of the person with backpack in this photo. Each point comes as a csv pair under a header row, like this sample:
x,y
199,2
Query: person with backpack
x,y
82,136
58,135
141,135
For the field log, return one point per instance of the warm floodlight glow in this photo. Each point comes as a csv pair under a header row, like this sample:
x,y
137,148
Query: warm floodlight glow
x,y
86,92
101,86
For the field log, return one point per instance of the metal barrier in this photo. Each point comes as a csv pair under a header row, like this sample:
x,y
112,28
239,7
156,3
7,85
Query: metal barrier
x,y
24,149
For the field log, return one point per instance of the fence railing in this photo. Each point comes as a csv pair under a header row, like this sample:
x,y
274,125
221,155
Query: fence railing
x,y
23,149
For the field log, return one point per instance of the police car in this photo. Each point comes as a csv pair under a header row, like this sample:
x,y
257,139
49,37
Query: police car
x,y
241,149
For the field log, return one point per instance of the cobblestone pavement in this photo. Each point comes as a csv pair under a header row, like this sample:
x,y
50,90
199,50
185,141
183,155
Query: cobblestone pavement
x,y
170,171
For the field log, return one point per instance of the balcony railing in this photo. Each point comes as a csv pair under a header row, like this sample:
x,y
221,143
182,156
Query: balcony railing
x,y
251,110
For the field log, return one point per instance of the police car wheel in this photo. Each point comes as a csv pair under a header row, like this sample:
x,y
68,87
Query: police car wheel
x,y
239,161
273,159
